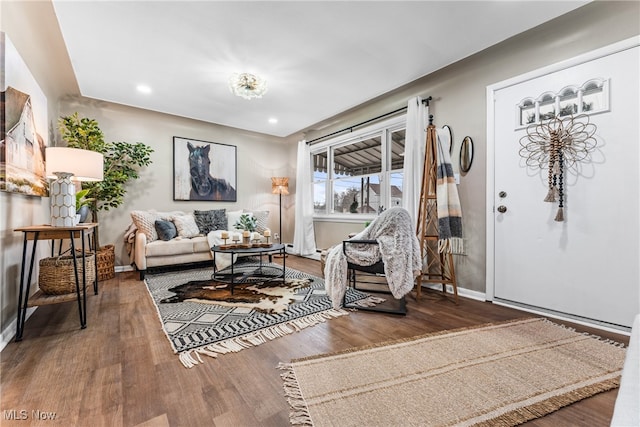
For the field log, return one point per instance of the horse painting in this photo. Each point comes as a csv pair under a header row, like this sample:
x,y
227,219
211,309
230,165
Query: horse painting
x,y
203,185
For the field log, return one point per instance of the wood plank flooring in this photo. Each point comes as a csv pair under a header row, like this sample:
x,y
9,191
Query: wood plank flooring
x,y
121,371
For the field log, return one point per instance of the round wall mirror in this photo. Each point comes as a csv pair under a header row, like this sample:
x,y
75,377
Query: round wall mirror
x,y
466,154
448,129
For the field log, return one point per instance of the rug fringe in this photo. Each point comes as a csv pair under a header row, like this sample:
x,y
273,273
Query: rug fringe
x,y
299,414
192,357
540,409
586,334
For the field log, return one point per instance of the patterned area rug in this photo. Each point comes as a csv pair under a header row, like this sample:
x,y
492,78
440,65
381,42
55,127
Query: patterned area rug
x,y
210,328
494,375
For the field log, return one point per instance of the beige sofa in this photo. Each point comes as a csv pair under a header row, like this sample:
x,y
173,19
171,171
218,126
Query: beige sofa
x,y
160,253
190,247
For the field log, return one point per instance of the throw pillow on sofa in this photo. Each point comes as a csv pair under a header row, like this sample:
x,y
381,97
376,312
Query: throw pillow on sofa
x,y
186,225
232,218
211,220
166,229
145,222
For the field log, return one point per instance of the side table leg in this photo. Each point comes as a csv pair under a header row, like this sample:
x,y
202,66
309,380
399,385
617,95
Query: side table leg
x,y
93,244
232,275
19,322
213,276
22,305
81,309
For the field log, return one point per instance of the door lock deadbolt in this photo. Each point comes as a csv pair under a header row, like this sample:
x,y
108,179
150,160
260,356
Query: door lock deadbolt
x,y
502,194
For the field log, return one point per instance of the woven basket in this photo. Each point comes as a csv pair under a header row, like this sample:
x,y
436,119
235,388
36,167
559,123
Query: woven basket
x,y
106,262
57,275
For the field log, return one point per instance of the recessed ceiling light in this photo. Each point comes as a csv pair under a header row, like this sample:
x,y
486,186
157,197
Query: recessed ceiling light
x,y
143,89
273,120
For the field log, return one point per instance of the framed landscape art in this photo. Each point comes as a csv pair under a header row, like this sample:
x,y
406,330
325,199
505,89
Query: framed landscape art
x,y
204,170
23,125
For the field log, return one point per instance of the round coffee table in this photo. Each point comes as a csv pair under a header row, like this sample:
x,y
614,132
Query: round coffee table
x,y
254,274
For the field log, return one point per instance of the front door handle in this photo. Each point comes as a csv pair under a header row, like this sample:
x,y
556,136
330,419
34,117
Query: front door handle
x,y
502,208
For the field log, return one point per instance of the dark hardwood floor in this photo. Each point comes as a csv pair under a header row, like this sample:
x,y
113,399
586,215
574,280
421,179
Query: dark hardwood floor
x,y
121,371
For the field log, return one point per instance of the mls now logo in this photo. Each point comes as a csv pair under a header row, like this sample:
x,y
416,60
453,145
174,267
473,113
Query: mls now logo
x,y
14,414
23,414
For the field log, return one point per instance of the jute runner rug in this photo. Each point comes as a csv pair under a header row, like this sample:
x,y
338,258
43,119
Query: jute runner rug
x,y
201,318
492,375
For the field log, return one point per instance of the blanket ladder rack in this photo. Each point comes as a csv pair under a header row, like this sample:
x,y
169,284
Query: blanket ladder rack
x,y
436,267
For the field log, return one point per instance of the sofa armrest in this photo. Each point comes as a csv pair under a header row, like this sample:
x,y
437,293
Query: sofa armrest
x,y
139,251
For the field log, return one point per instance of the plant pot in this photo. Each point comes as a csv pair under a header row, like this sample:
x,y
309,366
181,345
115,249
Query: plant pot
x,y
106,262
84,213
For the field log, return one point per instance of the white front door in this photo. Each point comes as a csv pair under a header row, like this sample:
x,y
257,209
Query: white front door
x,y
587,265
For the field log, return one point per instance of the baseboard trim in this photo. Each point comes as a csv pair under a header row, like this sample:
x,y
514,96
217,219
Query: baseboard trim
x,y
623,330
463,292
10,331
121,268
315,256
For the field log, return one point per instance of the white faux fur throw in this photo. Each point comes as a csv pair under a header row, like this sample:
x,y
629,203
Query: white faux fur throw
x,y
398,248
215,238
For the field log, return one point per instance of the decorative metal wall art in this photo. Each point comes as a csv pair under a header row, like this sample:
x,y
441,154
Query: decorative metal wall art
x,y
558,144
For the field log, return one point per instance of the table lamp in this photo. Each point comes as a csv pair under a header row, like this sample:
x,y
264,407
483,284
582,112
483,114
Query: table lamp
x,y
62,163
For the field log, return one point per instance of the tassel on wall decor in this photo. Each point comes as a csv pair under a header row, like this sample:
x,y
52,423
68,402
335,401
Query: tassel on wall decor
x,y
557,144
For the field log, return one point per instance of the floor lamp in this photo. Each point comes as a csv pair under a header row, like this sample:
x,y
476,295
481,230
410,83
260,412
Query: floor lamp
x,y
280,186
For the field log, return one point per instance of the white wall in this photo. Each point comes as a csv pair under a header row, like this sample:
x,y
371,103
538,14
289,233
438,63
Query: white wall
x,y
33,29
459,93
37,45
259,158
459,101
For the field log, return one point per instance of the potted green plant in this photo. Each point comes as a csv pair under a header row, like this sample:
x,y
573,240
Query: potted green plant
x,y
83,204
122,161
246,222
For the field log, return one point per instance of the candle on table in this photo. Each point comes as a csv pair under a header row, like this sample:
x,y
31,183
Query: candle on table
x,y
267,233
225,235
246,233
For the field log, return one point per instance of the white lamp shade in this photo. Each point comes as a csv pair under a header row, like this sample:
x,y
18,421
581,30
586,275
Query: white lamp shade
x,y
85,165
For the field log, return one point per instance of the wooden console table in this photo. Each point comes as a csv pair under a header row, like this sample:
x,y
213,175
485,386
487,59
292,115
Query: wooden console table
x,y
47,232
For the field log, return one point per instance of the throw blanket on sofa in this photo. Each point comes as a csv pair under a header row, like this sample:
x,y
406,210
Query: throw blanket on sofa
x,y
129,240
398,248
449,209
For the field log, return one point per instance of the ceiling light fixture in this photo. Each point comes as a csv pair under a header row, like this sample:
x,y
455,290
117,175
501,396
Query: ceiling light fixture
x,y
247,85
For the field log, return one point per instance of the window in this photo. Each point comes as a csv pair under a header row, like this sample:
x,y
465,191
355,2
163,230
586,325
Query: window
x,y
359,174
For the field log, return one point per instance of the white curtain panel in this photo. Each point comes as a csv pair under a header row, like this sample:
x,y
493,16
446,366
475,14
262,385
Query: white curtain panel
x,y
304,239
414,148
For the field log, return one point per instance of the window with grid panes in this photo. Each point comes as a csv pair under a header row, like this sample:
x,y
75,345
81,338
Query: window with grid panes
x,y
359,174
